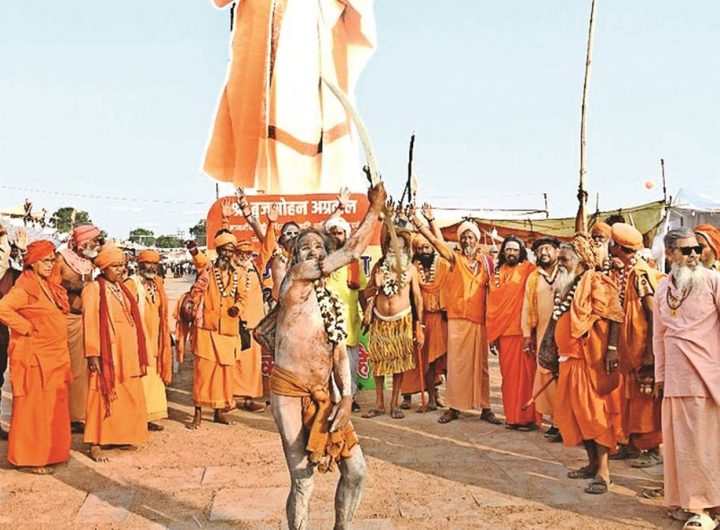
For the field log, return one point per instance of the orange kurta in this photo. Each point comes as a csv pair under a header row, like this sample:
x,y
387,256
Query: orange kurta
x,y
217,339
468,373
39,373
435,346
582,335
537,312
504,316
248,368
158,343
127,422
642,421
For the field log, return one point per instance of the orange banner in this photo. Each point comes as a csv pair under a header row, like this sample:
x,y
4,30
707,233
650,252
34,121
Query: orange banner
x,y
308,211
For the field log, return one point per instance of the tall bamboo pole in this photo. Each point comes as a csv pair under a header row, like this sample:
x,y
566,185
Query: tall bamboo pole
x,y
581,219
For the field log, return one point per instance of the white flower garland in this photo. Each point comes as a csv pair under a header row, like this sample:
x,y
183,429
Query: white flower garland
x,y
429,277
562,305
222,288
331,310
391,286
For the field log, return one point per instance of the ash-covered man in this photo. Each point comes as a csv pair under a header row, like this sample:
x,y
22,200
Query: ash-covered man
x,y
348,284
309,347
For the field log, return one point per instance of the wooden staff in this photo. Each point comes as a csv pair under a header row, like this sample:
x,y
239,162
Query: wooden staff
x,y
535,396
581,218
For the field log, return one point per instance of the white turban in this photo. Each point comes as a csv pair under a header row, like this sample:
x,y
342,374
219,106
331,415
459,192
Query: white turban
x,y
467,225
338,222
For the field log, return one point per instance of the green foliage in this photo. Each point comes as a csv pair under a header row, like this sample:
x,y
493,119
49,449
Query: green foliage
x,y
142,236
168,242
61,220
199,232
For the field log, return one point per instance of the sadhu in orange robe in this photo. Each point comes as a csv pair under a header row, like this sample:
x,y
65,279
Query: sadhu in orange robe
x,y
116,409
582,336
642,415
435,346
278,127
40,373
153,306
216,342
504,315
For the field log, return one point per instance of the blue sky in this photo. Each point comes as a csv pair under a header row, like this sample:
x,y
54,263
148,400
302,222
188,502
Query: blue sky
x,y
115,99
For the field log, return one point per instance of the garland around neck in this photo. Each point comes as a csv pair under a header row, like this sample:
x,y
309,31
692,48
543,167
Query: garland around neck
x,y
429,277
331,310
563,304
391,286
222,287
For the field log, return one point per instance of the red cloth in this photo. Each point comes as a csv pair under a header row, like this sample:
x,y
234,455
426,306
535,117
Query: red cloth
x,y
107,373
37,250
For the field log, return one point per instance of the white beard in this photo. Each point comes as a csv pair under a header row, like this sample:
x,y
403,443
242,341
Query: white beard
x,y
469,251
90,253
564,281
687,278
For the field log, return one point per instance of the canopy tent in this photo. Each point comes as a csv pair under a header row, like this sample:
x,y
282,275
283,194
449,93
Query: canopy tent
x,y
691,209
647,218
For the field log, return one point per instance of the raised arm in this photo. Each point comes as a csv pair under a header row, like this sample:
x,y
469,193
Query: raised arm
x,y
429,216
249,217
439,244
353,248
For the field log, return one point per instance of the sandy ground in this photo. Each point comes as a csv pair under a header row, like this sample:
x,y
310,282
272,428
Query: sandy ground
x,y
467,474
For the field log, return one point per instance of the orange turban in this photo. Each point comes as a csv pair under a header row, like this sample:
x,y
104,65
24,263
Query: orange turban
x,y
601,228
109,255
148,256
224,238
627,236
84,233
244,246
585,249
38,250
712,235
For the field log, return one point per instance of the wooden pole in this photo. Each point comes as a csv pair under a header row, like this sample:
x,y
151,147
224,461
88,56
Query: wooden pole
x,y
581,219
662,168
547,211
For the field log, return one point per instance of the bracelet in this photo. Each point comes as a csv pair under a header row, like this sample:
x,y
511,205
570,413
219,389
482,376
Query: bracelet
x,y
430,220
612,348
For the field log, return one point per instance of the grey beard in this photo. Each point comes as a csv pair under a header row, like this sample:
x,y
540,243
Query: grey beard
x,y
469,252
148,275
687,278
90,253
564,281
223,263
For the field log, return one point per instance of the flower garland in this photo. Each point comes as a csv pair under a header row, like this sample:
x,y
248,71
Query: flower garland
x,y
222,288
429,277
562,305
391,286
331,310
606,266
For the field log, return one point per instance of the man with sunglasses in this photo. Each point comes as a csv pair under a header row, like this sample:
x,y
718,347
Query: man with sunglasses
x,y
686,340
637,283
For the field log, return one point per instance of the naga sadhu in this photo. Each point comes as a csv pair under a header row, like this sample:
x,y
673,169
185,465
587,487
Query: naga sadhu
x,y
309,348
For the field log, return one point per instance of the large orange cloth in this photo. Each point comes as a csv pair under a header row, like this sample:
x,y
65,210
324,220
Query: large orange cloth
x,y
435,346
537,312
127,422
216,337
468,371
78,364
152,304
641,416
582,335
39,373
278,127
504,318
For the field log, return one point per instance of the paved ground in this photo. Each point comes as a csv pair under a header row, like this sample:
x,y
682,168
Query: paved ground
x,y
467,474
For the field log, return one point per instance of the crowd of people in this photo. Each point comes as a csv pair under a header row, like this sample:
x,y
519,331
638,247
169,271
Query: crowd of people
x,y
592,339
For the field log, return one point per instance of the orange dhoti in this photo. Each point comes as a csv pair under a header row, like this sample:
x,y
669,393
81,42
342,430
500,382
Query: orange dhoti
x,y
78,364
581,413
643,416
40,430
248,372
215,362
518,372
617,407
468,377
127,423
433,351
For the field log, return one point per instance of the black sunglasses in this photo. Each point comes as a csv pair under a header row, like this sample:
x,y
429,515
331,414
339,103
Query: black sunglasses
x,y
686,251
